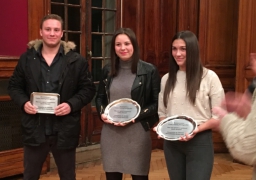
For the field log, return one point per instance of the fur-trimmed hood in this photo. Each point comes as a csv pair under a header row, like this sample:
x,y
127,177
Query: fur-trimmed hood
x,y
67,46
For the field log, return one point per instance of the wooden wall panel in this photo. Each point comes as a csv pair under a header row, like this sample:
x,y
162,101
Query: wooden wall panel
x,y
154,24
217,38
94,128
167,26
246,43
187,17
132,17
218,28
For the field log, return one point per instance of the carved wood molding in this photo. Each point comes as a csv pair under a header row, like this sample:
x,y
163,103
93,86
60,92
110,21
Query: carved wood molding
x,y
5,98
7,65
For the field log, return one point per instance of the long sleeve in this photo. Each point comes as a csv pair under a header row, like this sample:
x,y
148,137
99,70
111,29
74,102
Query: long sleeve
x,y
240,136
161,108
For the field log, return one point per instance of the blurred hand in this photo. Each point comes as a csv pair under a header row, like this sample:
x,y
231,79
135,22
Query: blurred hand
x,y
62,109
220,112
122,124
29,108
238,103
105,119
159,137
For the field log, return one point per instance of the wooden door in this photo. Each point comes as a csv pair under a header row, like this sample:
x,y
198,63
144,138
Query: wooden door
x,y
246,43
103,17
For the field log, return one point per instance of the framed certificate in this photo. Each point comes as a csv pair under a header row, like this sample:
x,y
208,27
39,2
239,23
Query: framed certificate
x,y
122,110
45,102
172,128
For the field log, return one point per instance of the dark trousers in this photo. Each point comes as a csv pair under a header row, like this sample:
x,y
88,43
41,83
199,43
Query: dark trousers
x,y
34,157
119,176
191,160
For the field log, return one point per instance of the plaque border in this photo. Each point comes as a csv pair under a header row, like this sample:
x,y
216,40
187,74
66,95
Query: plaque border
x,y
106,112
43,94
158,131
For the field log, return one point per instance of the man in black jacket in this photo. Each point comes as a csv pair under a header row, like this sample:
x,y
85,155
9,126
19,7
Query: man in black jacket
x,y
51,67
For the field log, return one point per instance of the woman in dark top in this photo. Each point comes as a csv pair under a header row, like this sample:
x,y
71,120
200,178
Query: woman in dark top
x,y
126,147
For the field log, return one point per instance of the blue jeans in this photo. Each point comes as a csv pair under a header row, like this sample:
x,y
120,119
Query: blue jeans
x,y
191,160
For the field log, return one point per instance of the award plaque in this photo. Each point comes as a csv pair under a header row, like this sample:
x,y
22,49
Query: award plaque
x,y
45,102
172,128
122,110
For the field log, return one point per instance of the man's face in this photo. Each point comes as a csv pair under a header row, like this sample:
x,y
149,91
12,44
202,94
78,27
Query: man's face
x,y
51,32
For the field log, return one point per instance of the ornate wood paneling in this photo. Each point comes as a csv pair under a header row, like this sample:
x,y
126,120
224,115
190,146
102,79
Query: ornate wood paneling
x,y
245,43
7,65
154,27
187,15
217,38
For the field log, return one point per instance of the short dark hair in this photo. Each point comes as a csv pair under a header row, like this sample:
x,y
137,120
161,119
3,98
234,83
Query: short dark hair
x,y
52,16
135,56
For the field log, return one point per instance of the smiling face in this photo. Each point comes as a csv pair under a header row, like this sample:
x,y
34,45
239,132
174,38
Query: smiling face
x,y
51,32
123,47
179,53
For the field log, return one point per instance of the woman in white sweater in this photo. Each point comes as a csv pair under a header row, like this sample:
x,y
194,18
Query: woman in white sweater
x,y
192,90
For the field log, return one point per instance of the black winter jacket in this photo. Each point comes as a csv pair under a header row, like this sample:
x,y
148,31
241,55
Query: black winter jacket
x,y
75,88
145,90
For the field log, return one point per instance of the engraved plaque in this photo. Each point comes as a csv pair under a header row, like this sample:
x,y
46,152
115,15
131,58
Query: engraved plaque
x,y
172,128
122,110
45,102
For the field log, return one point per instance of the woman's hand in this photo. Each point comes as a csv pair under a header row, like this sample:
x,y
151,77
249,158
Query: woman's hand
x,y
188,137
123,124
159,137
105,119
154,129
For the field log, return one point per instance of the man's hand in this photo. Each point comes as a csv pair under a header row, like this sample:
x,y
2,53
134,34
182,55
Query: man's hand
x,y
62,109
29,108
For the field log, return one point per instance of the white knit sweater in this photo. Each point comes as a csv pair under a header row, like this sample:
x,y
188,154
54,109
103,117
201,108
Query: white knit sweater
x,y
239,135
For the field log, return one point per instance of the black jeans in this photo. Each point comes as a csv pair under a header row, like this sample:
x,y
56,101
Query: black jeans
x,y
192,159
34,157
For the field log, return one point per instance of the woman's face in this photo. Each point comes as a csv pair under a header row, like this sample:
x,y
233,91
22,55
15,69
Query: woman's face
x,y
123,47
179,53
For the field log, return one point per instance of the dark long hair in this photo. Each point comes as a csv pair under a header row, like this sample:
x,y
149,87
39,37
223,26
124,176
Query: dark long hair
x,y
194,68
115,58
